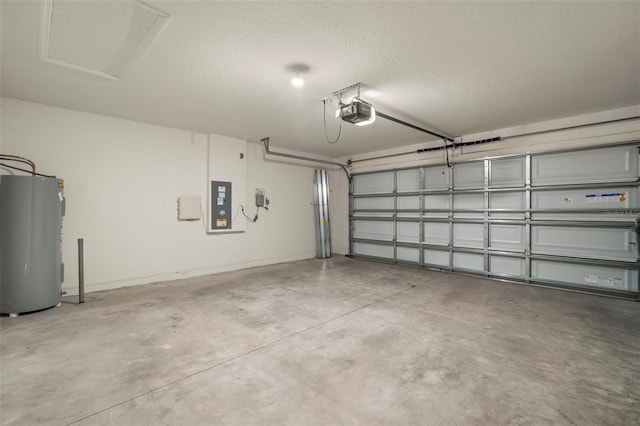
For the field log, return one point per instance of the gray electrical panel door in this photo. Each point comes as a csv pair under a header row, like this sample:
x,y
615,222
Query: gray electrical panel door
x,y
31,270
568,219
220,204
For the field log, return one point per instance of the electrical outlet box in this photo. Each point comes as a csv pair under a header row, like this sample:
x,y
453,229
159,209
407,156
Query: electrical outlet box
x,y
260,198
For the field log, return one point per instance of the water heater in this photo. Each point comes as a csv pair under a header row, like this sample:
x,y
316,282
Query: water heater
x,y
31,269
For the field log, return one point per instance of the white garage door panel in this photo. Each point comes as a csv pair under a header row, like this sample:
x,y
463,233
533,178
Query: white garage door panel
x,y
468,201
409,202
561,217
408,232
507,172
508,266
507,200
373,203
468,175
507,237
373,230
367,249
581,199
415,215
436,257
468,261
409,180
373,183
436,233
408,254
596,165
436,178
597,243
468,235
437,202
589,275
373,214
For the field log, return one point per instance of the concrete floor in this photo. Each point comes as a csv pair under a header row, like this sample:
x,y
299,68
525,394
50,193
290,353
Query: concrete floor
x,y
325,343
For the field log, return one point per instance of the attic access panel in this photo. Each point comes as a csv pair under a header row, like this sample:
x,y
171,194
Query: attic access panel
x,y
103,38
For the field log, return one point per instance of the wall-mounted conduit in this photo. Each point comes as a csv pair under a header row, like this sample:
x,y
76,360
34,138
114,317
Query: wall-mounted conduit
x,y
265,141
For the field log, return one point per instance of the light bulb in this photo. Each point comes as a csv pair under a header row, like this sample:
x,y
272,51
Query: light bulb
x,y
297,81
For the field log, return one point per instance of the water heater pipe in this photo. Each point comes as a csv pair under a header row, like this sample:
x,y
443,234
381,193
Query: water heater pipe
x,y
20,160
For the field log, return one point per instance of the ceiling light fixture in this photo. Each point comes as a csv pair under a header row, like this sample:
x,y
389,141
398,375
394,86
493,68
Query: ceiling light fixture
x,y
297,81
298,70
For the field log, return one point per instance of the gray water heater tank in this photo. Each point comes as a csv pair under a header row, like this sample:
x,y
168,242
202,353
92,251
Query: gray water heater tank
x,y
31,270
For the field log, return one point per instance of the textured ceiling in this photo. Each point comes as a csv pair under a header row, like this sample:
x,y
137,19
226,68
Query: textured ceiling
x,y
455,67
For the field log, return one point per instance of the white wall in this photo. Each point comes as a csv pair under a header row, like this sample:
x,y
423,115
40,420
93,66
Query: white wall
x,y
122,179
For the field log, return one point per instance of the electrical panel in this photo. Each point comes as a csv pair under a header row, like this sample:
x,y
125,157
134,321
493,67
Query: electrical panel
x,y
221,204
226,185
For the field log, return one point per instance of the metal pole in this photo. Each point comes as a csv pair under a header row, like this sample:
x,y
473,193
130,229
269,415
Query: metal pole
x,y
80,270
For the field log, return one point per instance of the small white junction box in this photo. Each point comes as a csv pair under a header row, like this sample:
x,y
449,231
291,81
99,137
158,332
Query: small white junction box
x,y
189,208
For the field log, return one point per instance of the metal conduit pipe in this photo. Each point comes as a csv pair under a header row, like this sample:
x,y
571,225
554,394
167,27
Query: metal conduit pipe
x,y
265,141
483,141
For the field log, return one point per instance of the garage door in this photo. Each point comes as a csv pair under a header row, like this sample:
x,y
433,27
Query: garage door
x,y
567,219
